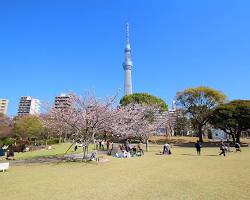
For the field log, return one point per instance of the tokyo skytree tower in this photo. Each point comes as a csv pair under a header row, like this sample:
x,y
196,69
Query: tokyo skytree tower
x,y
127,65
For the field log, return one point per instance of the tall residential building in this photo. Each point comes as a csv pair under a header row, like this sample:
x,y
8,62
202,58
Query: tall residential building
x,y
63,101
127,65
28,106
3,106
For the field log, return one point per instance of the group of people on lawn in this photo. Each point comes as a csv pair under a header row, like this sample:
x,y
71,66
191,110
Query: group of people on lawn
x,y
128,150
224,147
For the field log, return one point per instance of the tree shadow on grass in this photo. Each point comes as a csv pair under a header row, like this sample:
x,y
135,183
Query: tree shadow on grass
x,y
161,154
187,154
53,160
39,160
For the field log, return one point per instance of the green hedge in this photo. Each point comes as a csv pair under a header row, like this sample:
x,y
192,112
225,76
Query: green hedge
x,y
6,141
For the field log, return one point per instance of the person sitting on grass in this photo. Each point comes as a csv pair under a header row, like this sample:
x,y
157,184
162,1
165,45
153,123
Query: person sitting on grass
x,y
125,154
134,151
10,153
109,152
93,156
237,147
140,151
198,147
166,149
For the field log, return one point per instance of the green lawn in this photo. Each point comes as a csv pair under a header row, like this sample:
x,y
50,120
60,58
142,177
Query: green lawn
x,y
182,175
57,150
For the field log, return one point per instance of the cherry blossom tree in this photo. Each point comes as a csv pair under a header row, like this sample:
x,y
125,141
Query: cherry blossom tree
x,y
54,127
136,120
86,117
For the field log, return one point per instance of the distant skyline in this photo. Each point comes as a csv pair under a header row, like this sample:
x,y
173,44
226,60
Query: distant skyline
x,y
49,47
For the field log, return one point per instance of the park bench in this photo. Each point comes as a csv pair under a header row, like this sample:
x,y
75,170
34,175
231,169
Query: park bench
x,y
4,166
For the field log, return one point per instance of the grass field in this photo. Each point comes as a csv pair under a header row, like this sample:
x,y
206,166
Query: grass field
x,y
182,175
57,150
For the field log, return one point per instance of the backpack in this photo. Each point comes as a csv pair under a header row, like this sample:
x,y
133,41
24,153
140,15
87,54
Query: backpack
x,y
197,145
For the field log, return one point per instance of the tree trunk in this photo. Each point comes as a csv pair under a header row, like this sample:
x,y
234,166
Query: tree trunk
x,y
105,137
238,136
146,145
69,148
233,137
84,152
65,137
200,134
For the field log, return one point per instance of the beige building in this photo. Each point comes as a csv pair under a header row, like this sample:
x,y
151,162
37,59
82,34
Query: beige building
x,y
3,106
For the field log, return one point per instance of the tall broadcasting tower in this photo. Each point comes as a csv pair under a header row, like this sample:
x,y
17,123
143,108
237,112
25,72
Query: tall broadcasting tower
x,y
127,65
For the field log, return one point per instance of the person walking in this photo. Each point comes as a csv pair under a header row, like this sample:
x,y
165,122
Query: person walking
x,y
102,144
198,147
112,146
107,143
96,144
127,145
222,148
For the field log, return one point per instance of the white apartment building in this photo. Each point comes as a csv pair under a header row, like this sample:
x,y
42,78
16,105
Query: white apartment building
x,y
3,106
28,106
63,101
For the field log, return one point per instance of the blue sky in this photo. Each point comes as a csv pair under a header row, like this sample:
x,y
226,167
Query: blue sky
x,y
48,47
